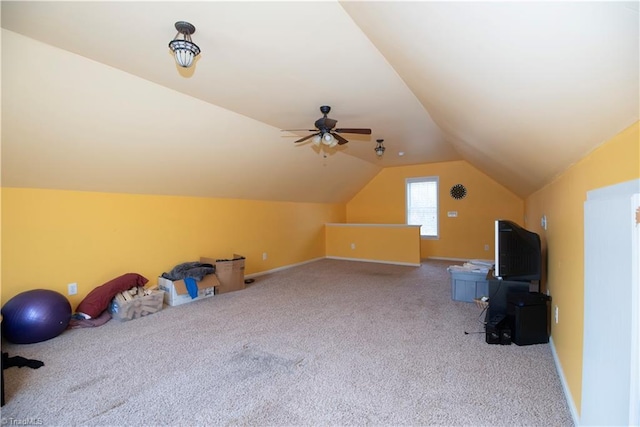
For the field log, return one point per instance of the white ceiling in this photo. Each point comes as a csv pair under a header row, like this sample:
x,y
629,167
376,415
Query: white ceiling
x,y
92,99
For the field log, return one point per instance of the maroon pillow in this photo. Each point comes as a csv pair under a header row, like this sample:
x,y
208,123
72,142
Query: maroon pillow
x,y
98,299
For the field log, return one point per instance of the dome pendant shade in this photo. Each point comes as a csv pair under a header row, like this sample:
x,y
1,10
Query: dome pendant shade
x,y
184,49
379,147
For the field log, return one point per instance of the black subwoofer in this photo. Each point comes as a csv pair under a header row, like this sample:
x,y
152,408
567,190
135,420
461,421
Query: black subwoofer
x,y
528,316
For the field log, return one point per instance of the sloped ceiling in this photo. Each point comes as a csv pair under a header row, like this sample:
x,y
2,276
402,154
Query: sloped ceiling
x,y
93,100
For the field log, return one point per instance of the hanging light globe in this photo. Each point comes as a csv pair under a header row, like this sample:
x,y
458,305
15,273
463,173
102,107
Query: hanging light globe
x,y
183,48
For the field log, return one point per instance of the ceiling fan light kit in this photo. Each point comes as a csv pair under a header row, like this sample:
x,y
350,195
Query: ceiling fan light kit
x,y
326,139
183,48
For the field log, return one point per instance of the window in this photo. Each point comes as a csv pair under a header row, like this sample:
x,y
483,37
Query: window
x,y
422,204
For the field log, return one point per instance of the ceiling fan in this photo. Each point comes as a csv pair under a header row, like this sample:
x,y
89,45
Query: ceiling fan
x,y
325,132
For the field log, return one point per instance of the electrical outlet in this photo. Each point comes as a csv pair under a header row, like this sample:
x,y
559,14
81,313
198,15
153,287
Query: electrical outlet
x,y
72,288
264,256
353,246
556,314
486,247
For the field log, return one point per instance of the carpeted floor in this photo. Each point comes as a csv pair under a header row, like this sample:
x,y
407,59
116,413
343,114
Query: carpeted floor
x,y
327,343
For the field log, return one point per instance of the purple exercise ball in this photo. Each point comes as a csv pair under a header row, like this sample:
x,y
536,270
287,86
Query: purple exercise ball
x,y
34,316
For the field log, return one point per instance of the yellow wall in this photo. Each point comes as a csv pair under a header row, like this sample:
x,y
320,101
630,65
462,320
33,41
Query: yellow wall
x,y
382,201
562,201
374,242
51,238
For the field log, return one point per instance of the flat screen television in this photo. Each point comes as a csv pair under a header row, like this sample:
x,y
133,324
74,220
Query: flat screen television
x,y
518,253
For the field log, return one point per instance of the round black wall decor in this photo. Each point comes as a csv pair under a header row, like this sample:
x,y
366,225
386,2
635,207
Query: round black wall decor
x,y
458,191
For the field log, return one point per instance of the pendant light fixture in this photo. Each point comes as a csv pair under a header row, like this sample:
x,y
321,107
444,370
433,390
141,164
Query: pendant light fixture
x,y
379,147
183,48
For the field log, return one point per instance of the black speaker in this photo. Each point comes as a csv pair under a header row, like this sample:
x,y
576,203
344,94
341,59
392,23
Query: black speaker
x,y
497,331
528,315
505,334
492,335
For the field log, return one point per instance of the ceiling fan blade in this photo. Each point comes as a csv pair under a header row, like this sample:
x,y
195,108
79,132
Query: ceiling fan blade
x,y
298,130
354,130
340,139
307,137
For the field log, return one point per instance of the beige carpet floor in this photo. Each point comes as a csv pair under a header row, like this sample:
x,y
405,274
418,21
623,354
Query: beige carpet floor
x,y
328,343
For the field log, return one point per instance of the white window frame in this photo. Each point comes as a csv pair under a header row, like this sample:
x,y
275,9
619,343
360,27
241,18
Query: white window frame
x,y
424,179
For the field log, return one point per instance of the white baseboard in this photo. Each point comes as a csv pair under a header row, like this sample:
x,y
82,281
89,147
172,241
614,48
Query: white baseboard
x,y
410,264
285,267
448,259
565,387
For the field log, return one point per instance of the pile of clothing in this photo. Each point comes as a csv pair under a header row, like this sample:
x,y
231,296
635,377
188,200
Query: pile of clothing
x,y
194,270
191,273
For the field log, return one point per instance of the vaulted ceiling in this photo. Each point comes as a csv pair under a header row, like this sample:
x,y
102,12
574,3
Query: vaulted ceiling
x,y
92,98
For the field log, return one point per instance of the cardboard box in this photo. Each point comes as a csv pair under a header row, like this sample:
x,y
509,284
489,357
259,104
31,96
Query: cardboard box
x,y
136,307
230,273
175,292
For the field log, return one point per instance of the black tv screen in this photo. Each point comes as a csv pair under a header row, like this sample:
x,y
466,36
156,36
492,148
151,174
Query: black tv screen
x,y
518,252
